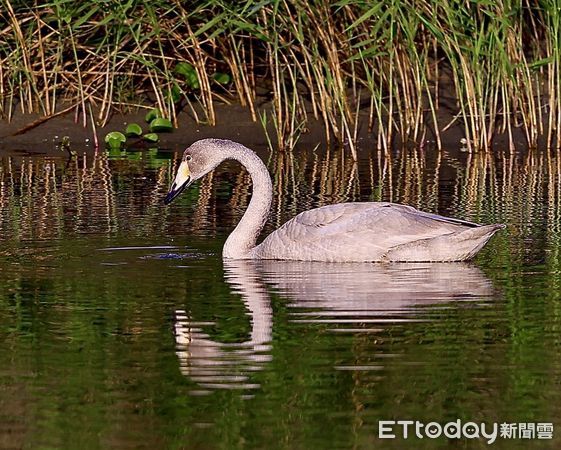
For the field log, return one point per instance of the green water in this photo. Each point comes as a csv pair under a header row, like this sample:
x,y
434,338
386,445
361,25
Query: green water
x,y
121,326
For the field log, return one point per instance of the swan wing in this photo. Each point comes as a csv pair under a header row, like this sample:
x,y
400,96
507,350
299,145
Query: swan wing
x,y
354,232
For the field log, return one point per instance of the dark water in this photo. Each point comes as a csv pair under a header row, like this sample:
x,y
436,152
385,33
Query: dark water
x,y
121,326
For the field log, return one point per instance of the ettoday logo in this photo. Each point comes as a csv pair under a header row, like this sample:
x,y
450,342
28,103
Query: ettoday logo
x,y
392,429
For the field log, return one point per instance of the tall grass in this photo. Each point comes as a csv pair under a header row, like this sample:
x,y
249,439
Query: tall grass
x,y
406,69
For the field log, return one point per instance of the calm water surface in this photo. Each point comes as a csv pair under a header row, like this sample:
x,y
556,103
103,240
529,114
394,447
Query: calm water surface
x,y
121,326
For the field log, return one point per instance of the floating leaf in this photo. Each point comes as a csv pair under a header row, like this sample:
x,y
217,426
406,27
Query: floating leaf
x,y
151,137
115,139
133,130
222,78
154,113
160,124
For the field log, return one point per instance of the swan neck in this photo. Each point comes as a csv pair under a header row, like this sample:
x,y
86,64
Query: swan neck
x,y
244,237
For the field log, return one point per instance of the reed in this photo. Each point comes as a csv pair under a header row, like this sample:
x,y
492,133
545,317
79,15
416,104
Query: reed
x,y
404,68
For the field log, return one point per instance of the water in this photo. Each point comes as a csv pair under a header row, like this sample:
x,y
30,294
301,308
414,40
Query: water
x,y
121,326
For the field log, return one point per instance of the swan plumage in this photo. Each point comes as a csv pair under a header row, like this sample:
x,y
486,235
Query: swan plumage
x,y
344,232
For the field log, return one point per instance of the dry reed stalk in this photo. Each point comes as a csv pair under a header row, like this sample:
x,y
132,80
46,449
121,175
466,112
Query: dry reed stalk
x,y
317,58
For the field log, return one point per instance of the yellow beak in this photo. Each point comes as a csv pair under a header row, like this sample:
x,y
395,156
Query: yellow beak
x,y
182,180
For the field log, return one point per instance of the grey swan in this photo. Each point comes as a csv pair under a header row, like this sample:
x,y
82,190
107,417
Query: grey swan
x,y
344,232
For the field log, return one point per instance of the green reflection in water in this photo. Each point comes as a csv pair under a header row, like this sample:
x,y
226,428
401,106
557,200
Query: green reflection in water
x,y
120,326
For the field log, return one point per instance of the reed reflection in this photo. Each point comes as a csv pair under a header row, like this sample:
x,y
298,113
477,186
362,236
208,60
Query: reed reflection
x,y
49,198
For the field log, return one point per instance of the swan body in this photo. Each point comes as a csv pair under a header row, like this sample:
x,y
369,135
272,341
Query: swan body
x,y
344,232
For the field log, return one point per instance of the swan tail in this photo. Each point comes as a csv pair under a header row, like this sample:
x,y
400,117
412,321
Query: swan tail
x,y
458,246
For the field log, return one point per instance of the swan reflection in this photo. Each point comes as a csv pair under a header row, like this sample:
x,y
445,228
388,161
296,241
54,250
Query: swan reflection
x,y
339,294
370,291
218,365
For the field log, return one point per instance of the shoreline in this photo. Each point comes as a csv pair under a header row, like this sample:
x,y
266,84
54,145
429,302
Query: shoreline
x,y
233,122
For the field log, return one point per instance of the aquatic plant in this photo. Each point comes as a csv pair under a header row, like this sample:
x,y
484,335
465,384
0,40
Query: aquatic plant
x,y
157,124
407,69
115,139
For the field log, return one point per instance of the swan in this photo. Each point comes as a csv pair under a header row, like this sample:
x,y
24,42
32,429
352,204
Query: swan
x,y
344,232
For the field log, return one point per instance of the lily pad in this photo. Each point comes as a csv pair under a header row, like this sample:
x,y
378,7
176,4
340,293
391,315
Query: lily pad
x,y
151,137
160,124
133,130
115,139
154,113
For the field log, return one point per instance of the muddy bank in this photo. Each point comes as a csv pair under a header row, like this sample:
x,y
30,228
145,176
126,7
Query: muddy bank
x,y
235,123
22,135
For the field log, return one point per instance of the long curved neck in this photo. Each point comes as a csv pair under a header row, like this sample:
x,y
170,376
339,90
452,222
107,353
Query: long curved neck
x,y
244,237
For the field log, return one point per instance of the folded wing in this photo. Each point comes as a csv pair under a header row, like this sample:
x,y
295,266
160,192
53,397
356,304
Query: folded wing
x,y
355,232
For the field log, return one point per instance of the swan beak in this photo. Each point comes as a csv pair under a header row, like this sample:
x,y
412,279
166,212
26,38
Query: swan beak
x,y
182,181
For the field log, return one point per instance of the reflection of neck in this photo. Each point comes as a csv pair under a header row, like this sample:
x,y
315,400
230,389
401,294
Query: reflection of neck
x,y
218,365
244,237
241,275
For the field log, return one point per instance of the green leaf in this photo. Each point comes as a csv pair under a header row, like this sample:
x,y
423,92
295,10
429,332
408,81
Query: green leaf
x,y
154,113
174,94
151,137
366,16
210,24
193,81
133,130
161,124
540,62
185,69
115,139
221,78
188,72
116,153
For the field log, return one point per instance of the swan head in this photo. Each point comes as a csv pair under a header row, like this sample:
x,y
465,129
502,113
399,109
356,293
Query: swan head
x,y
199,159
